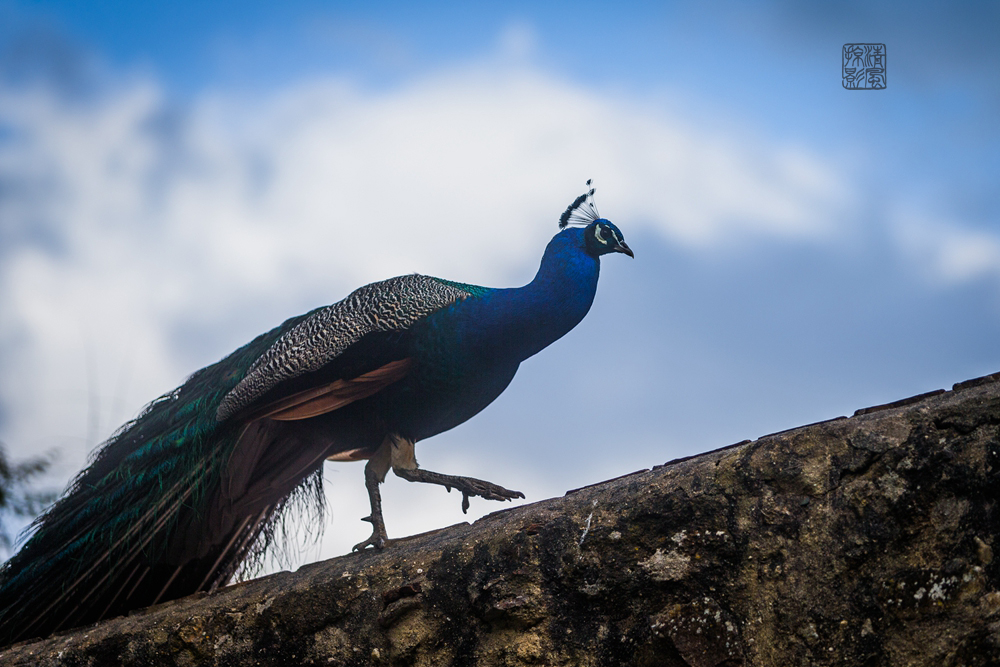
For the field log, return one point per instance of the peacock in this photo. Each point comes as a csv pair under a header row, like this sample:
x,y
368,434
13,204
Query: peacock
x,y
177,500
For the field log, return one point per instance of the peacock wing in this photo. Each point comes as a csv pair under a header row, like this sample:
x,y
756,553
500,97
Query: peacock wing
x,y
333,395
392,305
334,357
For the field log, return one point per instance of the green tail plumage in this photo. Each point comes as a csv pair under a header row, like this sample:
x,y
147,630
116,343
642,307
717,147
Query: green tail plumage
x,y
111,543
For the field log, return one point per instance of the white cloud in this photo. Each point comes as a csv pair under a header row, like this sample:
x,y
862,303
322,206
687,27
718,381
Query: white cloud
x,y
226,218
948,251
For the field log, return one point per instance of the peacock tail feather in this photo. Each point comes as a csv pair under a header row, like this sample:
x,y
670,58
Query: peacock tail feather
x,y
93,548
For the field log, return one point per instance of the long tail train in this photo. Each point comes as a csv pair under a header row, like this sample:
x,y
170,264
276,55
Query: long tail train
x,y
115,540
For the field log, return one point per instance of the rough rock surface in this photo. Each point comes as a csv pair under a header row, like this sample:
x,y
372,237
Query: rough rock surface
x,y
864,541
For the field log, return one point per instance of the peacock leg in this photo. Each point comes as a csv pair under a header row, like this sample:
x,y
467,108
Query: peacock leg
x,y
375,472
404,464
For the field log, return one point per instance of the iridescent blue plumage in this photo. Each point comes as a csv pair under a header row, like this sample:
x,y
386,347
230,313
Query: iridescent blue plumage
x,y
179,498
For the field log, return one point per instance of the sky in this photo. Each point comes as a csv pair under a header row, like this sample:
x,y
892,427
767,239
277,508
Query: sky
x,y
176,178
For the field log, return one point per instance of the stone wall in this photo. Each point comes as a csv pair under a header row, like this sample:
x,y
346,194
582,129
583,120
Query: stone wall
x,y
864,541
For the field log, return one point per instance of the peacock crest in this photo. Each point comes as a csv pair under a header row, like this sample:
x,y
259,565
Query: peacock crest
x,y
582,211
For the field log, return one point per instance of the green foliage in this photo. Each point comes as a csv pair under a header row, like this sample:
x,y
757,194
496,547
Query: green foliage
x,y
17,499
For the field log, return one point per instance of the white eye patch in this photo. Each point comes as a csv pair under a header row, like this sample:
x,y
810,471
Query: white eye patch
x,y
599,235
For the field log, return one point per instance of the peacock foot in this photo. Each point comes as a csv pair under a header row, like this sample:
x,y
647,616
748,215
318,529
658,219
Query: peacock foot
x,y
376,540
379,539
469,486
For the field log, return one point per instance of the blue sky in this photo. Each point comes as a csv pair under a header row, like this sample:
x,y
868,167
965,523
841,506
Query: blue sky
x,y
178,177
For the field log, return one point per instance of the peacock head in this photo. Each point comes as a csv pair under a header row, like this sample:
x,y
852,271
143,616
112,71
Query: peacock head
x,y
600,234
603,237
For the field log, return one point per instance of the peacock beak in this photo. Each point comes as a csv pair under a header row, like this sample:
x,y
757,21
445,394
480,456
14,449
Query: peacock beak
x,y
623,248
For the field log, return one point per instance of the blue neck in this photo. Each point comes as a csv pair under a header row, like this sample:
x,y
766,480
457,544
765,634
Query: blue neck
x,y
513,324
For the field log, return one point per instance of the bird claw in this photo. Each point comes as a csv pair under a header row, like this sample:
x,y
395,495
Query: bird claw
x,y
470,486
376,540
